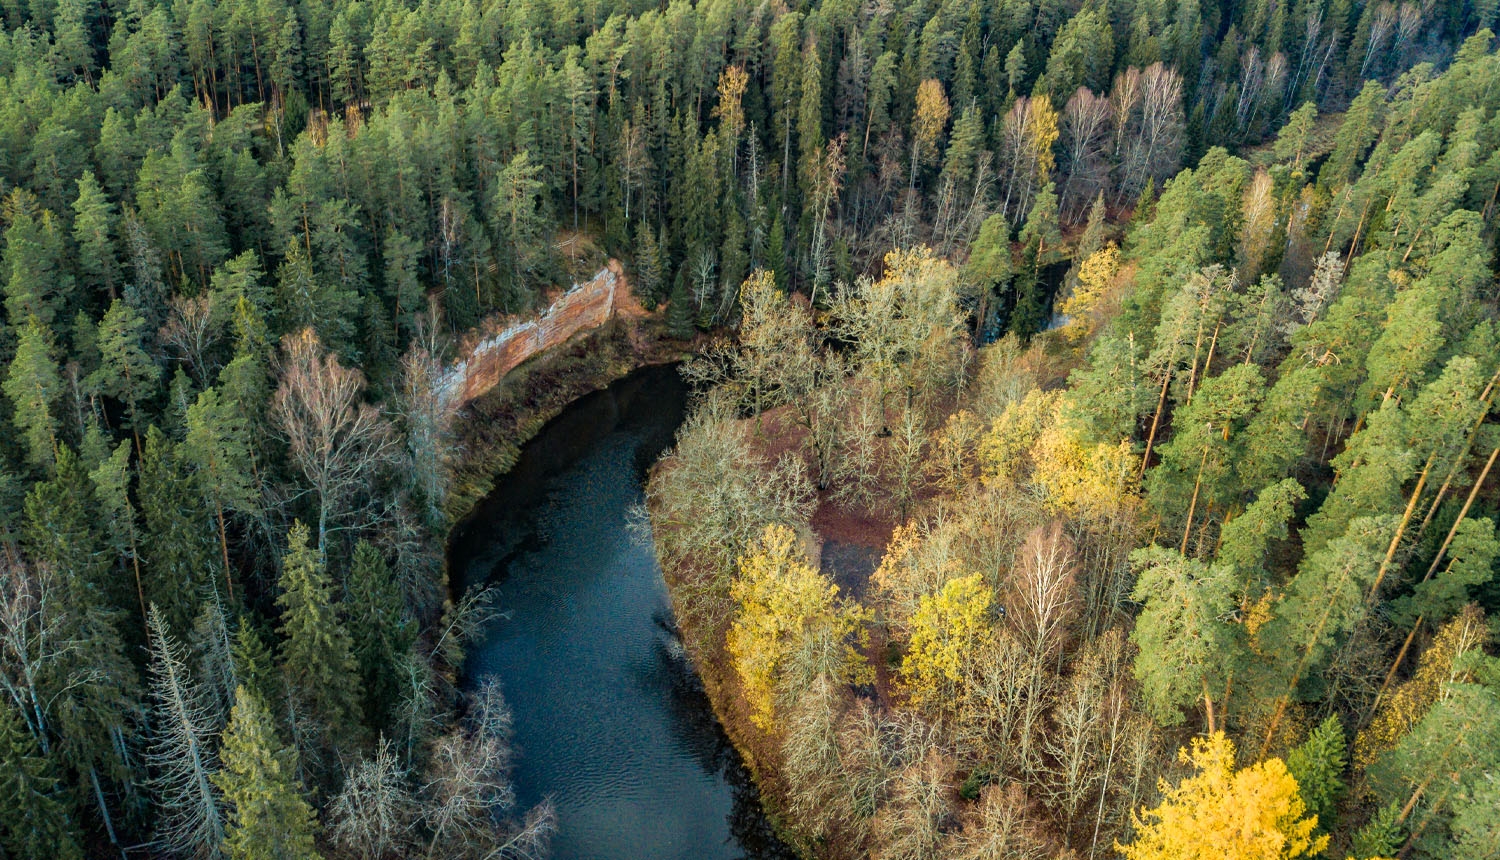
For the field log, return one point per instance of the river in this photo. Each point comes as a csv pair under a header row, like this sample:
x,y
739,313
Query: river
x,y
610,720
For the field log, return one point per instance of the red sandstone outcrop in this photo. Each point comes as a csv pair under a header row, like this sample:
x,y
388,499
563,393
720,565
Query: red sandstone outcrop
x,y
583,307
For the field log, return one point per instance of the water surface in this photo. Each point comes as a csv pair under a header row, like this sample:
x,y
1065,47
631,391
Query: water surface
x,y
610,721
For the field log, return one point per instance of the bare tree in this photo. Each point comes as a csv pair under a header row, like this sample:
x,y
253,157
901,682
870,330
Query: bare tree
x,y
1041,602
468,785
1152,136
1041,590
336,440
428,408
911,824
1309,301
1002,827
810,755
468,790
192,328
210,641
371,819
29,639
180,752
905,468
1084,143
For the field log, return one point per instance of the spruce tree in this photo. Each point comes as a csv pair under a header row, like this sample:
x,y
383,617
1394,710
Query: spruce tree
x,y
177,548
268,817
649,274
317,657
382,634
125,372
35,819
1318,766
680,313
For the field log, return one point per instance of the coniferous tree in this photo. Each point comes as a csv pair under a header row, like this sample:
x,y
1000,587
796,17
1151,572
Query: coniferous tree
x,y
34,386
380,631
93,231
35,819
268,819
125,372
178,552
1318,766
217,447
316,654
181,750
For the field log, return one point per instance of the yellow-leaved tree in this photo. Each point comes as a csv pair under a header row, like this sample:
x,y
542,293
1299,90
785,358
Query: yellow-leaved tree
x,y
791,626
1095,276
947,630
1254,813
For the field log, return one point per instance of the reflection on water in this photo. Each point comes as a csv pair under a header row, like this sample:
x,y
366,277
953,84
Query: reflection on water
x,y
610,719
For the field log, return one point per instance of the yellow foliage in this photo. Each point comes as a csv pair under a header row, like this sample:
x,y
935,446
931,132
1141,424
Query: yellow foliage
x,y
918,560
784,605
931,115
1402,710
1260,612
953,449
1254,813
1013,433
1094,482
1095,275
1043,132
947,629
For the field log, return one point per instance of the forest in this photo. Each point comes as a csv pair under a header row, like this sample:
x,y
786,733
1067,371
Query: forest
x,y
1152,341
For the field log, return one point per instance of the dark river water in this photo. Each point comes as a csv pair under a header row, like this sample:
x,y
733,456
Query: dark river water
x,y
610,721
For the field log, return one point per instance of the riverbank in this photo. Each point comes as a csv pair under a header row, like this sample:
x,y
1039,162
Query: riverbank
x,y
846,543
493,426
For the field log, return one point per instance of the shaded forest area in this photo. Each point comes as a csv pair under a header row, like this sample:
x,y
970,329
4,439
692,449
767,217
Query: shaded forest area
x,y
239,240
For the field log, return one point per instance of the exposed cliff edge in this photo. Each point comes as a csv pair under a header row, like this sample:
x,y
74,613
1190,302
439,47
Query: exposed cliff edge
x,y
514,376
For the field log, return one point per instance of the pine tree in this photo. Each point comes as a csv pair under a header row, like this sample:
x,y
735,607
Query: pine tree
x,y
37,284
112,490
217,447
268,818
1186,646
316,653
1296,134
